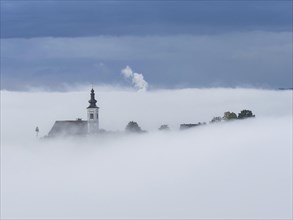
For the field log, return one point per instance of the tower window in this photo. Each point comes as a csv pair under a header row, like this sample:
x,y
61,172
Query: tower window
x,y
91,116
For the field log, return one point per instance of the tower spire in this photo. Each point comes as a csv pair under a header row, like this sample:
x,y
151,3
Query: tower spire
x,y
93,101
93,114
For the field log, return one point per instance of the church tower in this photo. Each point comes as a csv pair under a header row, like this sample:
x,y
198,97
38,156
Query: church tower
x,y
93,115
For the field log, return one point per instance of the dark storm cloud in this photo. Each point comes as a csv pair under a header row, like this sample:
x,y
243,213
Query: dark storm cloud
x,y
239,59
90,18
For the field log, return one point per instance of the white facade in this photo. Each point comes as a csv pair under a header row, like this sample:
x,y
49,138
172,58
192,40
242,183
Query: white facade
x,y
93,120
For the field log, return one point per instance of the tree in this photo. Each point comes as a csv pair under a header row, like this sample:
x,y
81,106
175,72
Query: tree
x,y
164,128
245,114
37,131
216,119
229,116
132,126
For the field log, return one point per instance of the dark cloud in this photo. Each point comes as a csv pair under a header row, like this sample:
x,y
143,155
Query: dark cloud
x,y
240,59
91,18
185,43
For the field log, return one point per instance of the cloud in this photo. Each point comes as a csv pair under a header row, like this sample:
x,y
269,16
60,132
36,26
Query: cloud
x,y
137,79
78,19
231,170
259,59
127,72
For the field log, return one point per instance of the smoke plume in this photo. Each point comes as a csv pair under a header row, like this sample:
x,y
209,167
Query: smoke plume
x,y
137,79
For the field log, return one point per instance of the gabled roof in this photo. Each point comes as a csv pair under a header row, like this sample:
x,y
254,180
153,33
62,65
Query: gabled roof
x,y
69,128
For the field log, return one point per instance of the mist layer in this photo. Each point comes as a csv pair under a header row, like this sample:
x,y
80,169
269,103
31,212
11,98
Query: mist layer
x,y
240,169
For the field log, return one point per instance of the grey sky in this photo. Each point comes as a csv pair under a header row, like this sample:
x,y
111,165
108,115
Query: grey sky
x,y
91,18
173,43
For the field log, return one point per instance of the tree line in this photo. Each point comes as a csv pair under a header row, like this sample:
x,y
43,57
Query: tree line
x,y
232,116
133,126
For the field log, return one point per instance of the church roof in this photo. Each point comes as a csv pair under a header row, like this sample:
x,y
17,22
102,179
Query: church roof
x,y
93,101
69,128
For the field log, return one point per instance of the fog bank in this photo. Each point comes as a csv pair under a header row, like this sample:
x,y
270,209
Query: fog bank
x,y
240,169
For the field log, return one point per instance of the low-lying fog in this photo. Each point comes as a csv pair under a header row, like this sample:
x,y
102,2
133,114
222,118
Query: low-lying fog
x,y
240,169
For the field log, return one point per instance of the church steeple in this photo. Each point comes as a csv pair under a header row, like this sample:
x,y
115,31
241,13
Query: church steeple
x,y
93,101
93,115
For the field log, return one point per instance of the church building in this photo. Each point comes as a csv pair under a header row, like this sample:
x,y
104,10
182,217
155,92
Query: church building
x,y
93,115
79,127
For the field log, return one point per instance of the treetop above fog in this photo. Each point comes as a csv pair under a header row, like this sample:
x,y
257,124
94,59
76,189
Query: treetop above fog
x,y
132,126
228,116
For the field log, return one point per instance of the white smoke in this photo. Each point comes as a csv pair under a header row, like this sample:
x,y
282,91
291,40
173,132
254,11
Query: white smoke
x,y
137,79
